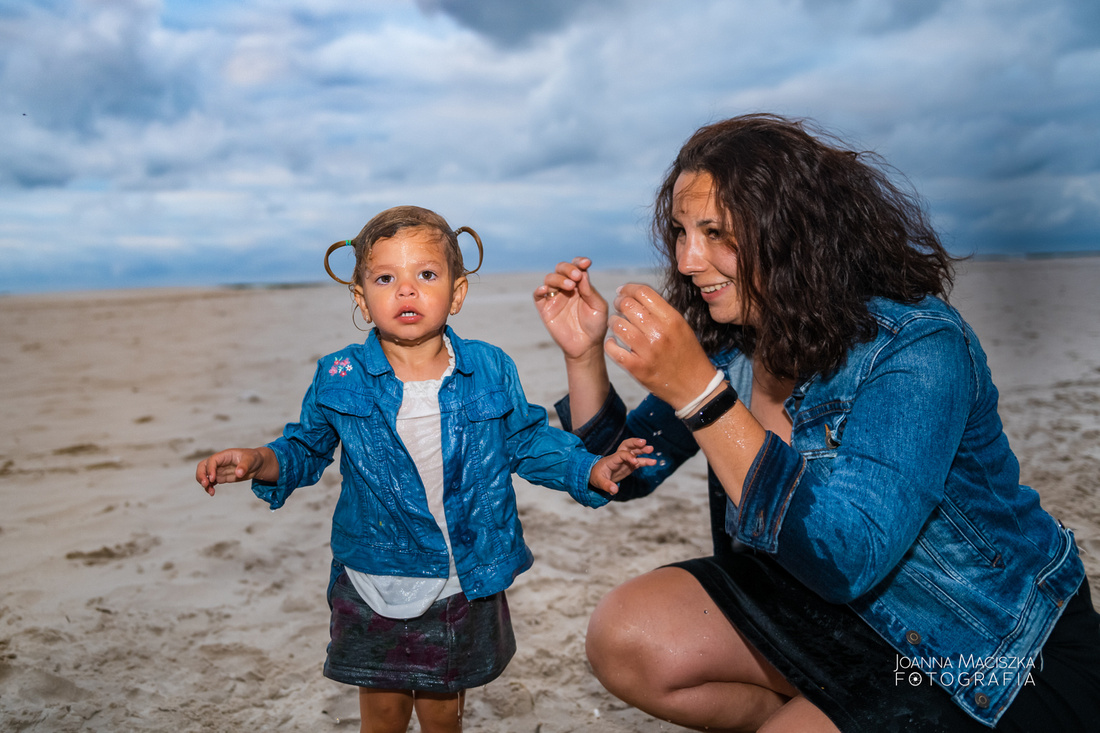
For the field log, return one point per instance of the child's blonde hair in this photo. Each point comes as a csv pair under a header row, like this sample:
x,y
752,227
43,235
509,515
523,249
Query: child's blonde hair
x,y
390,222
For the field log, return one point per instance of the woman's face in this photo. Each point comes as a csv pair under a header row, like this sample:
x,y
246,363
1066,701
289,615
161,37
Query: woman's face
x,y
705,248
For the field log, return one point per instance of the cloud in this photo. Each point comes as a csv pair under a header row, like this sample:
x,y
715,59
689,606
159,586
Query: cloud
x,y
273,128
68,70
510,23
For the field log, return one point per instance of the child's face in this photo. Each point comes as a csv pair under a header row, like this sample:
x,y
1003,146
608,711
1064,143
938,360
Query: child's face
x,y
408,289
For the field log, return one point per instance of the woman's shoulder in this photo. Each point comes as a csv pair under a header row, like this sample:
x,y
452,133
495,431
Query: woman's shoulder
x,y
929,331
893,315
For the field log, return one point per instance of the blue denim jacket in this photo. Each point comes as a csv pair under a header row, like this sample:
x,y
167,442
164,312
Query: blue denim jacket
x,y
382,524
898,495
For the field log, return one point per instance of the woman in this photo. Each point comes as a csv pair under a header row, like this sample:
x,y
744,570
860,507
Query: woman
x,y
877,565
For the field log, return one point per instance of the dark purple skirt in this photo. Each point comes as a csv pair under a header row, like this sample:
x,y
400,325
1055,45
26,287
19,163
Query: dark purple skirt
x,y
846,669
455,645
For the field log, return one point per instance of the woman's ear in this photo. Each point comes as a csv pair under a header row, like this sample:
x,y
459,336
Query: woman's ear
x,y
361,301
461,286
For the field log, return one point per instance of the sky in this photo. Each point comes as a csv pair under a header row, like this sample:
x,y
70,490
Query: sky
x,y
204,142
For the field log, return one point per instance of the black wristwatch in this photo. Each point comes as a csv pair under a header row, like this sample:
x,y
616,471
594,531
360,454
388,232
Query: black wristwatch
x,y
715,408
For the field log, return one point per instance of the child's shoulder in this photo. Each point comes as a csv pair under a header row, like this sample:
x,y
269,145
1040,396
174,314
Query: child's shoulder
x,y
480,353
344,362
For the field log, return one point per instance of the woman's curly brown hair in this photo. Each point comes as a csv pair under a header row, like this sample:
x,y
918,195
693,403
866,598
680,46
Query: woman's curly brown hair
x,y
818,231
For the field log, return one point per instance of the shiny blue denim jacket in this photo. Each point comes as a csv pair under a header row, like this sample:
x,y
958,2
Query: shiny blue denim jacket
x,y
898,495
382,524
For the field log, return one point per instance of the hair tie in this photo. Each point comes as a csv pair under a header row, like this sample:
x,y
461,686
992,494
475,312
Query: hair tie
x,y
480,248
331,249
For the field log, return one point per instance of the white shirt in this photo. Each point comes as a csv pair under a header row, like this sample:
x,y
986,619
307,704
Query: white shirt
x,y
418,426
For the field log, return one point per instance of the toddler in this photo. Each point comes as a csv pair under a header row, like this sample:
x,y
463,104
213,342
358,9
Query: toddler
x,y
426,536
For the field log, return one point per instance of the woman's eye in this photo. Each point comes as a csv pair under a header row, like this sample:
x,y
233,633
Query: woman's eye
x,y
715,233
677,232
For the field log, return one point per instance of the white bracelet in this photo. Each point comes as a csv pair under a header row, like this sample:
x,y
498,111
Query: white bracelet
x,y
692,406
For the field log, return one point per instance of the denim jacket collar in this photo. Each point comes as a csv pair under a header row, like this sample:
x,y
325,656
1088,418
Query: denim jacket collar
x,y
377,364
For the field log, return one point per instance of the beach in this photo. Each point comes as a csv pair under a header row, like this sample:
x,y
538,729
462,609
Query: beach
x,y
130,600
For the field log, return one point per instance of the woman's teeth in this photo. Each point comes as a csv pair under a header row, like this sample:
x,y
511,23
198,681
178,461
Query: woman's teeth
x,y
713,288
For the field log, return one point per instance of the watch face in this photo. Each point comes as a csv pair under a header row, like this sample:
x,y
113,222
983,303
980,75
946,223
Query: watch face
x,y
719,405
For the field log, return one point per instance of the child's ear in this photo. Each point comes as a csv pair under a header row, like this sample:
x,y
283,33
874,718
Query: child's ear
x,y
459,295
361,301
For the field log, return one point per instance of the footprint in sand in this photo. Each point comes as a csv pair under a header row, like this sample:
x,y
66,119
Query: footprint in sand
x,y
139,545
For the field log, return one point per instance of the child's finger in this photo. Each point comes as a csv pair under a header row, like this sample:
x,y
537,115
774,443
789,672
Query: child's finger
x,y
244,465
203,473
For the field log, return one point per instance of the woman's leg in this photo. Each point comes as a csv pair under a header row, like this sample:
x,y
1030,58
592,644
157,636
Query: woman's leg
x,y
659,643
439,712
384,711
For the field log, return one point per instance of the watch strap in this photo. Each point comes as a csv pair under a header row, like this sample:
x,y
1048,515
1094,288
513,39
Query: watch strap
x,y
713,409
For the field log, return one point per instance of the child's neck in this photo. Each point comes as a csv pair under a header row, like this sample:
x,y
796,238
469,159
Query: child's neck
x,y
419,361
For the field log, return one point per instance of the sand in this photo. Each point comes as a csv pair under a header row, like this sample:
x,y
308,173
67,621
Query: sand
x,y
130,600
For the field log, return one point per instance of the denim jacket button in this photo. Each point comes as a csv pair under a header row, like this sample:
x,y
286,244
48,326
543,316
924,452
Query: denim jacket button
x,y
912,637
982,700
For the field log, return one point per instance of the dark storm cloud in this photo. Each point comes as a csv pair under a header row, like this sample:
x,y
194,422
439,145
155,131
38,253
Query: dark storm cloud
x,y
506,22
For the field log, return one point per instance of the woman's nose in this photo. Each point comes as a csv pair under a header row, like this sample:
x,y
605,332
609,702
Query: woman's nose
x,y
690,254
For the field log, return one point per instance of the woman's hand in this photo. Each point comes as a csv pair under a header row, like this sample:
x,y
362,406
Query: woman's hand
x,y
661,352
572,311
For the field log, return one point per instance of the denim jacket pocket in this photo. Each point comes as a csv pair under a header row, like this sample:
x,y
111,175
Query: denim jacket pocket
x,y
346,401
820,429
819,434
491,405
1062,576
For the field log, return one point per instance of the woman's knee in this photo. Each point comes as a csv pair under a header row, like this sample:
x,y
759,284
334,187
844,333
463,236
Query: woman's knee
x,y
610,637
630,642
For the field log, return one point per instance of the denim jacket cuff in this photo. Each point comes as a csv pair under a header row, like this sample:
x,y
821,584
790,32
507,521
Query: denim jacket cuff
x,y
274,494
585,493
601,434
766,495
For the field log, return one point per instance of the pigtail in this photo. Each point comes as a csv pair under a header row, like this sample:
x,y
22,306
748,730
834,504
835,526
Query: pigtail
x,y
480,249
333,248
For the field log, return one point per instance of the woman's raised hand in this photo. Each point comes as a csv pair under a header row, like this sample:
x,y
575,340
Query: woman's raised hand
x,y
661,351
571,309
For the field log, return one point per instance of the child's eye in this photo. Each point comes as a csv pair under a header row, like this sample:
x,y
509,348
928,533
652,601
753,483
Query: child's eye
x,y
384,279
428,275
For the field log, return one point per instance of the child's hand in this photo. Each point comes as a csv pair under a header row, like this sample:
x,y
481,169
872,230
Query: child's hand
x,y
611,469
237,464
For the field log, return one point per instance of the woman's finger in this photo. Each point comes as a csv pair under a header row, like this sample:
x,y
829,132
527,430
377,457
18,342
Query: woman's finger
x,y
625,358
644,299
633,312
